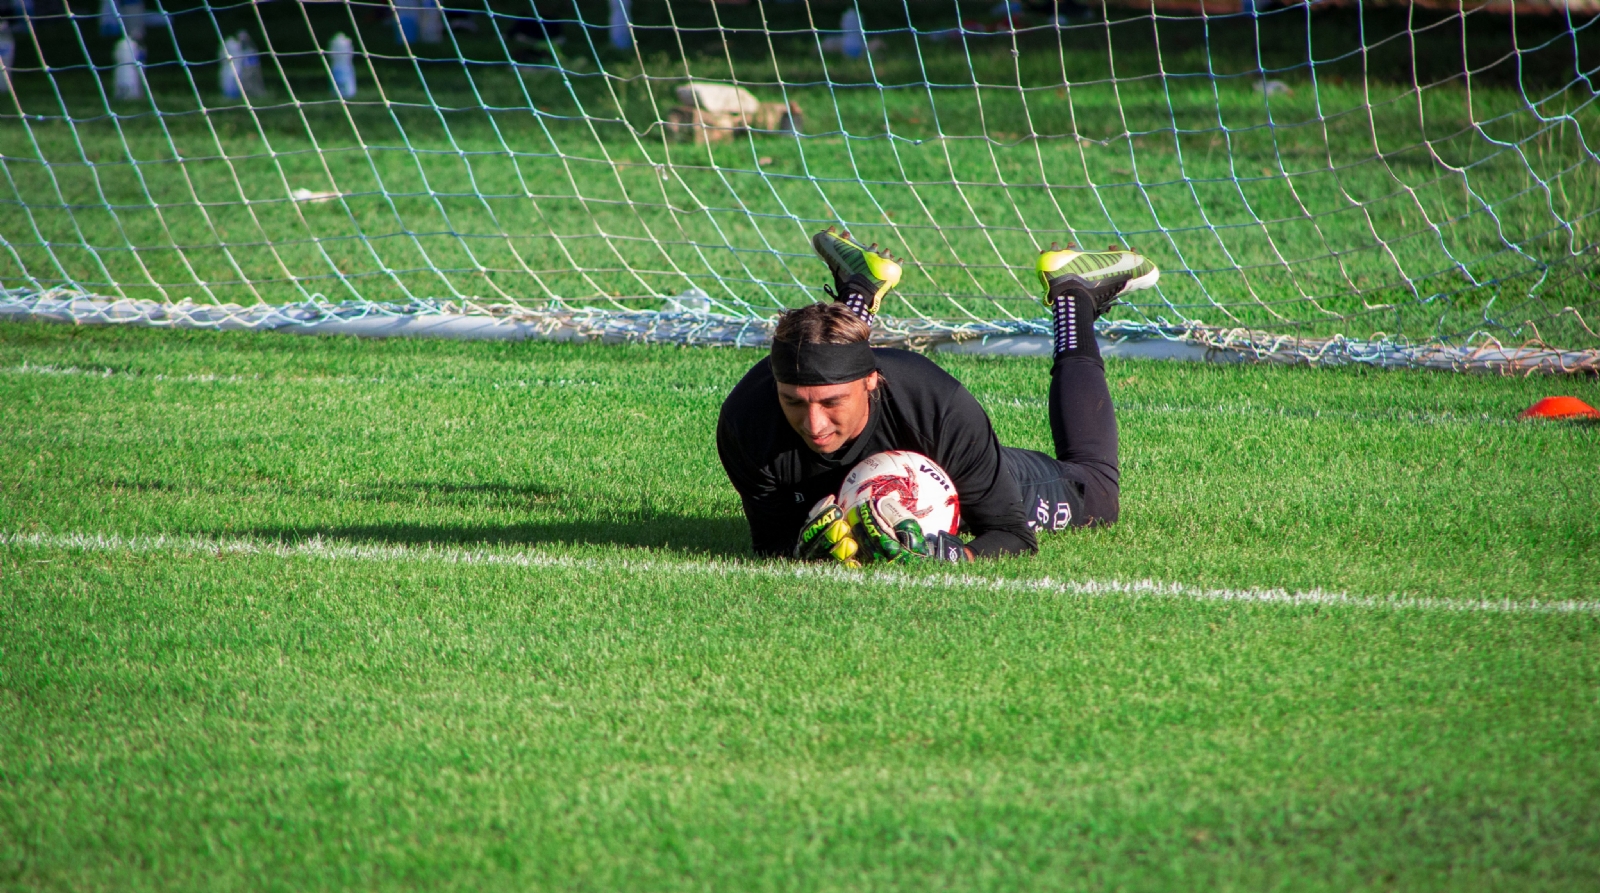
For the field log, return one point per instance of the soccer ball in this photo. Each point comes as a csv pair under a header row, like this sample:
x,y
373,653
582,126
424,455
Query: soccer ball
x,y
916,482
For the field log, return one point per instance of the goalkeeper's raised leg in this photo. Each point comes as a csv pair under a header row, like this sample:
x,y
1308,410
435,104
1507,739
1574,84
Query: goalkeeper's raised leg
x,y
862,275
1081,485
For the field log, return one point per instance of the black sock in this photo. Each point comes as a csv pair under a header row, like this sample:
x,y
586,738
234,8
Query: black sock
x,y
1074,319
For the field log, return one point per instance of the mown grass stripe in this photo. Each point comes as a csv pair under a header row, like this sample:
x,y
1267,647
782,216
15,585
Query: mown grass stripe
x,y
344,551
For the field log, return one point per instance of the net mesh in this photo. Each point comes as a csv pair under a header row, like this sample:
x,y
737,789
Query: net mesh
x,y
1315,174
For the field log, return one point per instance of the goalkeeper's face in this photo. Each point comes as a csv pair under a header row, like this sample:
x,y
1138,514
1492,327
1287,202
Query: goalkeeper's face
x,y
828,416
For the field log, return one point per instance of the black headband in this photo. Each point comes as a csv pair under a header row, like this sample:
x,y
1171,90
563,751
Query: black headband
x,y
808,364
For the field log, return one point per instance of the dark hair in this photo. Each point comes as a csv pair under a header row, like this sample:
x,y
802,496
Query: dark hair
x,y
821,324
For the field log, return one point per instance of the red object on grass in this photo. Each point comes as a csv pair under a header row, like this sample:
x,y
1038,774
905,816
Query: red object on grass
x,y
1561,408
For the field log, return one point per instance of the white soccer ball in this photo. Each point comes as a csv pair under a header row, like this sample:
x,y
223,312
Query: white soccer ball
x,y
917,483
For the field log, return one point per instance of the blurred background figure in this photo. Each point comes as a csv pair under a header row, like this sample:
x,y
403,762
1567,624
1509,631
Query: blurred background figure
x,y
239,68
128,76
342,65
418,21
8,55
620,27
228,68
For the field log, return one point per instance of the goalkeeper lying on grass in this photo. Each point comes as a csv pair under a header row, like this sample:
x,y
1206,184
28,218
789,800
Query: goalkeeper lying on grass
x,y
823,401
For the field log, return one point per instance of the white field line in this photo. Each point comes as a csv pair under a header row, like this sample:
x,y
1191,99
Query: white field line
x,y
775,571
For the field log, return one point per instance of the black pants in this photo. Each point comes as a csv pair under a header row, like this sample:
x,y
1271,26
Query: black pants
x,y
1079,486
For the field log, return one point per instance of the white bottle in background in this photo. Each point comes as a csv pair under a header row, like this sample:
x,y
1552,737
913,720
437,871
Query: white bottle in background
x,y
430,23
129,74
621,24
228,69
8,56
855,38
342,59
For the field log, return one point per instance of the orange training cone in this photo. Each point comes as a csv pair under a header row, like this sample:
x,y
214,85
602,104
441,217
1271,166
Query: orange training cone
x,y
1561,408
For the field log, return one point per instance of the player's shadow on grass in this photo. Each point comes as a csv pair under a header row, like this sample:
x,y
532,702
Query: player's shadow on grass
x,y
608,524
723,537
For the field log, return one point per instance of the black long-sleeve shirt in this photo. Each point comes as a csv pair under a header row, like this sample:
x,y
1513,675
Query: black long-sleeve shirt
x,y
917,407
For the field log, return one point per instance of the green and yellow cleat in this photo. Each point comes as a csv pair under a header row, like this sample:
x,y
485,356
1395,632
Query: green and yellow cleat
x,y
1101,276
856,270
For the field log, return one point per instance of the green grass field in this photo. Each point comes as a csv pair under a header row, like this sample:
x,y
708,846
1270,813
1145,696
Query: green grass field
x,y
1365,201
285,613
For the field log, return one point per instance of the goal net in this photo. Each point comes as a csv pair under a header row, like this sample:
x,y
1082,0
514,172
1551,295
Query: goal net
x,y
1391,174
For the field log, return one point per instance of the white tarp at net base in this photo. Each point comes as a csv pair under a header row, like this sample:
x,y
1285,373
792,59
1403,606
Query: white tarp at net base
x,y
509,322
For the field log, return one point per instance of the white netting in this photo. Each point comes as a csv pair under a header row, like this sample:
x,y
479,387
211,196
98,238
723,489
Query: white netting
x,y
1401,178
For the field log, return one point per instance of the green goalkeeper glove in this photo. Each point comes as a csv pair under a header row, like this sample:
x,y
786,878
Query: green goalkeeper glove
x,y
887,532
826,535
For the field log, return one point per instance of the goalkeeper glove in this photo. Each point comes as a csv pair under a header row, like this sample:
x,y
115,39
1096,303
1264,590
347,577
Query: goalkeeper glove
x,y
887,532
827,535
